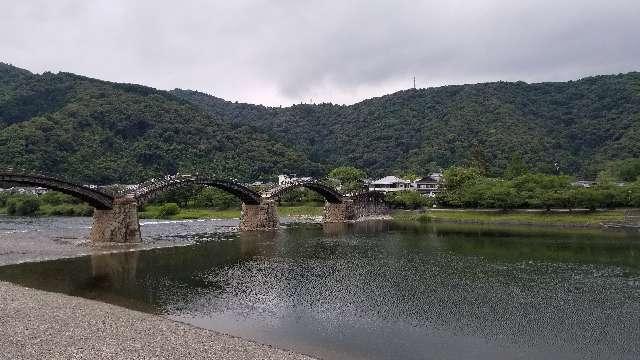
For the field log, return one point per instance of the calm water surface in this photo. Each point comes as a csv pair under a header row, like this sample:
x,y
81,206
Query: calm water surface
x,y
381,290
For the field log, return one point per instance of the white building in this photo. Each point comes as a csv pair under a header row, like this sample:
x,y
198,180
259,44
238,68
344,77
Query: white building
x,y
25,190
390,183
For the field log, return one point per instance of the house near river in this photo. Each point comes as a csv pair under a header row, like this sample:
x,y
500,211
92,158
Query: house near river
x,y
428,185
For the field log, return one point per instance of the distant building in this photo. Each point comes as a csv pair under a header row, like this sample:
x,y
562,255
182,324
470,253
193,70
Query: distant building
x,y
390,183
25,190
583,183
428,185
291,179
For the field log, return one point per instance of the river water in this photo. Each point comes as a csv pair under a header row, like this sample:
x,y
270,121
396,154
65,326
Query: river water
x,y
379,290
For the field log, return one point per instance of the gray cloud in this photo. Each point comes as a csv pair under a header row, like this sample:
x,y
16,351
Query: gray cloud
x,y
287,51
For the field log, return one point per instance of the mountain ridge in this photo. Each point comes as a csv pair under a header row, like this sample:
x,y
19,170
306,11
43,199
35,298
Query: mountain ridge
x,y
103,131
524,110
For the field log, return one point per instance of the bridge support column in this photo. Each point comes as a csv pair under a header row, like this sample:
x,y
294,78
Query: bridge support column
x,y
357,207
340,212
259,217
118,225
370,206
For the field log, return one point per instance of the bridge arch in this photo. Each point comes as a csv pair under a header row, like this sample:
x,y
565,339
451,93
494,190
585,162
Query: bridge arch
x,y
369,196
94,197
151,189
330,194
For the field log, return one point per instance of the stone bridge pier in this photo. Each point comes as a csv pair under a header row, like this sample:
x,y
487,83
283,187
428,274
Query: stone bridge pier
x,y
339,212
263,216
355,207
119,224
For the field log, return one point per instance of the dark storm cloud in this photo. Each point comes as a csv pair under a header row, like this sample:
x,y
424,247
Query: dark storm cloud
x,y
294,50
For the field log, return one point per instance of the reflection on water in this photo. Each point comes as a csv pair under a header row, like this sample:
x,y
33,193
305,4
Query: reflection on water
x,y
382,289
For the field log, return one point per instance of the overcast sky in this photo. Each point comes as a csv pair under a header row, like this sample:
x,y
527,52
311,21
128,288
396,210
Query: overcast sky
x,y
280,52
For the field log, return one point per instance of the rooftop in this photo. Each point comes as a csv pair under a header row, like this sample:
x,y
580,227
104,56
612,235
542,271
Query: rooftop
x,y
387,180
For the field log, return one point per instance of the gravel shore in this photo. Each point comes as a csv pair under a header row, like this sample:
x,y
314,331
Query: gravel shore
x,y
42,325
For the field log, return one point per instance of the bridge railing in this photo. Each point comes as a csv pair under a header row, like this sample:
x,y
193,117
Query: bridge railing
x,y
21,172
158,183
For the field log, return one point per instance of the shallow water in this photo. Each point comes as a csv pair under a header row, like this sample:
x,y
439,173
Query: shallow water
x,y
379,290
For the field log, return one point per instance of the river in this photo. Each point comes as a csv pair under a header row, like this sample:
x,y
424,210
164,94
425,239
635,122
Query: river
x,y
375,290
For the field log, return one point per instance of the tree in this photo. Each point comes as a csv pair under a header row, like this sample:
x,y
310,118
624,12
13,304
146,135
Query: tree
x,y
23,206
633,194
478,159
212,198
180,196
350,179
407,199
589,198
454,181
502,195
169,209
515,168
57,198
629,169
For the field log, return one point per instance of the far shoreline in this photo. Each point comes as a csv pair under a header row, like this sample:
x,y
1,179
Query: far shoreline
x,y
563,218
574,218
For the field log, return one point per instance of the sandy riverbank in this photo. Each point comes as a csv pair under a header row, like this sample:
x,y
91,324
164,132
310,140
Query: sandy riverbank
x,y
42,325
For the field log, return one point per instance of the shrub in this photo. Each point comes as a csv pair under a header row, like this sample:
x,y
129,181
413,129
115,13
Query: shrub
x,y
84,210
213,198
169,209
68,210
27,206
57,198
407,199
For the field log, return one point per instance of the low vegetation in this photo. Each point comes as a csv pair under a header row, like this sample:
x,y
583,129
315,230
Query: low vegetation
x,y
154,212
586,219
49,204
468,187
212,203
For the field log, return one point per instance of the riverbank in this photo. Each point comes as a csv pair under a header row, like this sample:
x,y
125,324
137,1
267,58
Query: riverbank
x,y
153,212
524,217
43,325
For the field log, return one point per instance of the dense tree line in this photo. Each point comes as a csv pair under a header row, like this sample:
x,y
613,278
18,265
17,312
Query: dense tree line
x,y
51,203
467,187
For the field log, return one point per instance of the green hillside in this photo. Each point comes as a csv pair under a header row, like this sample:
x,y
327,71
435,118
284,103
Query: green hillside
x,y
104,132
578,124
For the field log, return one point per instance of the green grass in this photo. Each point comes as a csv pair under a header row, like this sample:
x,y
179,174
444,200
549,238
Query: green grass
x,y
304,210
65,210
153,212
59,210
538,218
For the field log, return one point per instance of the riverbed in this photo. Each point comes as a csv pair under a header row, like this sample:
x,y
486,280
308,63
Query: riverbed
x,y
377,290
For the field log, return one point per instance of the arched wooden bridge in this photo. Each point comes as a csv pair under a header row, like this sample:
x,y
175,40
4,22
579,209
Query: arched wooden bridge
x,y
116,219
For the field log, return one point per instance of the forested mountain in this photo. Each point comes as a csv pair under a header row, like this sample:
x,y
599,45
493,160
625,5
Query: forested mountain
x,y
578,124
105,132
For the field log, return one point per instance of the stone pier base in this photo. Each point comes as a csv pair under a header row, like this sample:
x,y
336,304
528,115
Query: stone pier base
x,y
334,213
118,225
259,217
